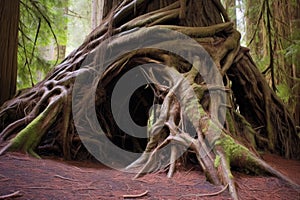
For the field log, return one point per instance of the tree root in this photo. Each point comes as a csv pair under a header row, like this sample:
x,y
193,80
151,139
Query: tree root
x,y
226,155
216,160
201,32
29,137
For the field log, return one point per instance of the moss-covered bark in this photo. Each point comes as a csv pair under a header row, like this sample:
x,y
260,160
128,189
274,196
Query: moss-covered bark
x,y
28,139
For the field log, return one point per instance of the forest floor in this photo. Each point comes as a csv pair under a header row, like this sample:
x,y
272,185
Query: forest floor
x,y
57,179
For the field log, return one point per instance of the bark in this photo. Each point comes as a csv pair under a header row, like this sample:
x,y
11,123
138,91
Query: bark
x,y
270,32
9,19
97,12
296,63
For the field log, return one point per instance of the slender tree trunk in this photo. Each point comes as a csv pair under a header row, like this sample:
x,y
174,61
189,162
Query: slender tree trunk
x,y
61,51
296,62
9,19
254,31
230,6
97,12
271,32
285,26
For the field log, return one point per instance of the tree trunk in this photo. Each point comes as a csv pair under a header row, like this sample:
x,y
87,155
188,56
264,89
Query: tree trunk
x,y
97,12
9,19
230,6
155,82
255,29
296,63
272,42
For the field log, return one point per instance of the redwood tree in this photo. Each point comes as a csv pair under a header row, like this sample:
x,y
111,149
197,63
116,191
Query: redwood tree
x,y
44,119
9,19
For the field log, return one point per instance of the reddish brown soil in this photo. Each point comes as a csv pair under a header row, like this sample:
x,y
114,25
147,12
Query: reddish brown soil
x,y
54,179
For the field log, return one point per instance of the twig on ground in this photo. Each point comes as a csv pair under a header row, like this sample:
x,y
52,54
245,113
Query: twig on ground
x,y
77,189
65,178
15,194
44,188
135,195
189,171
81,170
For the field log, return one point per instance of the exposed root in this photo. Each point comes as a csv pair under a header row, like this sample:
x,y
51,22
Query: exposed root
x,y
14,126
201,32
152,163
265,166
225,173
238,155
173,159
29,138
225,158
216,163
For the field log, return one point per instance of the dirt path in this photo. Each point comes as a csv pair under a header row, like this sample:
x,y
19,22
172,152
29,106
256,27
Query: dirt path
x,y
54,179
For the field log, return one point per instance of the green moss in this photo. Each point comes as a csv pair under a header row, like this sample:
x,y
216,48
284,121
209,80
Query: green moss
x,y
232,149
230,175
150,120
239,154
245,128
231,126
193,110
212,131
217,161
29,138
199,90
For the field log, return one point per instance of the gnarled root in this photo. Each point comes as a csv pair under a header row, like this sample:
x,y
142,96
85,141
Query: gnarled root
x,y
29,138
226,153
215,149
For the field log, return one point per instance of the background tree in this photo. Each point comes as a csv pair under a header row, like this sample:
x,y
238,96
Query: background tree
x,y
42,43
231,7
79,18
40,120
294,51
9,19
271,36
97,12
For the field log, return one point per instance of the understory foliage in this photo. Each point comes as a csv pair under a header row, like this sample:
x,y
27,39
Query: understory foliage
x,y
41,120
42,26
272,32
